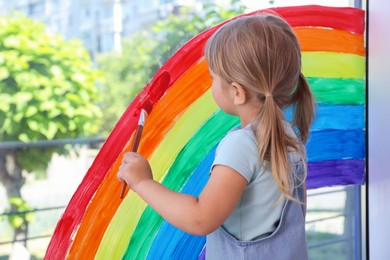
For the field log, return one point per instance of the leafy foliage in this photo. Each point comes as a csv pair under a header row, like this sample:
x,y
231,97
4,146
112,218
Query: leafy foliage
x,y
47,88
17,220
146,51
125,74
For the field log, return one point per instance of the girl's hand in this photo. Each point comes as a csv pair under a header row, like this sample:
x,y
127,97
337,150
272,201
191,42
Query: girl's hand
x,y
134,169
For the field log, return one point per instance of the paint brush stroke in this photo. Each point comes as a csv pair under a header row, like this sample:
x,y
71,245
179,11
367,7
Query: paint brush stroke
x,y
95,220
333,117
333,65
171,242
338,91
330,40
336,172
348,19
325,145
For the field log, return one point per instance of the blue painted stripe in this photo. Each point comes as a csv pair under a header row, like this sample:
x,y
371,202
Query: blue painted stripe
x,y
341,117
326,145
172,243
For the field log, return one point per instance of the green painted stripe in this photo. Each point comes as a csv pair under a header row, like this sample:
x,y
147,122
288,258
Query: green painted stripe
x,y
117,235
333,65
338,91
196,149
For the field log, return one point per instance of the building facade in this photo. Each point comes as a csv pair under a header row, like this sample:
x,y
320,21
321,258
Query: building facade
x,y
99,24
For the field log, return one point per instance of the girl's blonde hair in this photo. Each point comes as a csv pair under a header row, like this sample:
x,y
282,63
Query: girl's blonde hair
x,y
262,54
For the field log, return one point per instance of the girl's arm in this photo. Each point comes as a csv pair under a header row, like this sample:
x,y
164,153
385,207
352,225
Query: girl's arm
x,y
198,216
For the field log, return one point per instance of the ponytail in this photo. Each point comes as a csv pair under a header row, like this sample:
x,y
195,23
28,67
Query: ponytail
x,y
252,52
303,103
274,144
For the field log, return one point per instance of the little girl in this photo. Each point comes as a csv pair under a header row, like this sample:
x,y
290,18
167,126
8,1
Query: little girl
x,y
253,206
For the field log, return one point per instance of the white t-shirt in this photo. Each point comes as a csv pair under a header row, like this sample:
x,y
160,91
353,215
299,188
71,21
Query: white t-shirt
x,y
257,212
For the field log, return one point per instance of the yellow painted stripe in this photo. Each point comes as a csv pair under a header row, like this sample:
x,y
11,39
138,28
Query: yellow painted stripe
x,y
333,65
126,218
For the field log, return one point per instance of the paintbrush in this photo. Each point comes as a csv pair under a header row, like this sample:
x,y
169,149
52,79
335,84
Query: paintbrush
x,y
136,141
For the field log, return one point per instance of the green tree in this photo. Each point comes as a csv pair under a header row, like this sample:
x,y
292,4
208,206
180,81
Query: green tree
x,y
47,91
146,51
125,74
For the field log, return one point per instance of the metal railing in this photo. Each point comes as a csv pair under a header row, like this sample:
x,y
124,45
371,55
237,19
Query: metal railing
x,y
24,213
352,213
16,145
349,216
346,238
50,143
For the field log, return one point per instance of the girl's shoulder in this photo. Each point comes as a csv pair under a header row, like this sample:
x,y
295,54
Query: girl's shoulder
x,y
242,137
238,150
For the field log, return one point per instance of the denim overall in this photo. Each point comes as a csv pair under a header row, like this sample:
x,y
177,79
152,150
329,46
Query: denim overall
x,y
286,242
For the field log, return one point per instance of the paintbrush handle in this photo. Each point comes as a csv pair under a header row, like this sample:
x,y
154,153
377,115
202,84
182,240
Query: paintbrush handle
x,y
134,148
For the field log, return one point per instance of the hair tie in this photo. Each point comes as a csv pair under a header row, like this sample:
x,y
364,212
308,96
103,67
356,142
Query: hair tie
x,y
268,95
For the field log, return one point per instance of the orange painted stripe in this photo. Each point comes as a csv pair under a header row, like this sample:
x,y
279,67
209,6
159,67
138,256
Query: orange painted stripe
x,y
106,200
324,39
182,94
98,217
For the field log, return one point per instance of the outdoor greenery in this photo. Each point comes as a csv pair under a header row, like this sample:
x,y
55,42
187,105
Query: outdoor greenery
x,y
147,50
48,90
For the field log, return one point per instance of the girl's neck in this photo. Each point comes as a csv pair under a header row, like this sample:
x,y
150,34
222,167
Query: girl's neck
x,y
247,113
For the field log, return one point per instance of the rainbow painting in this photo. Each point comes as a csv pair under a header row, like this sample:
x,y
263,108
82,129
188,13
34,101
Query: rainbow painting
x,y
184,127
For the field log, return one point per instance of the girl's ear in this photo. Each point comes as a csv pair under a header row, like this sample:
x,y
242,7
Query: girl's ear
x,y
240,95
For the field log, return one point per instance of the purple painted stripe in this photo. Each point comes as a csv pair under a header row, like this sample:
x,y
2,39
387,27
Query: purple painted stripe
x,y
331,173
202,255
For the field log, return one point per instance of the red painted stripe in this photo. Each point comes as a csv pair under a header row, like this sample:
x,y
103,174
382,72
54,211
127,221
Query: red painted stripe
x,y
347,18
